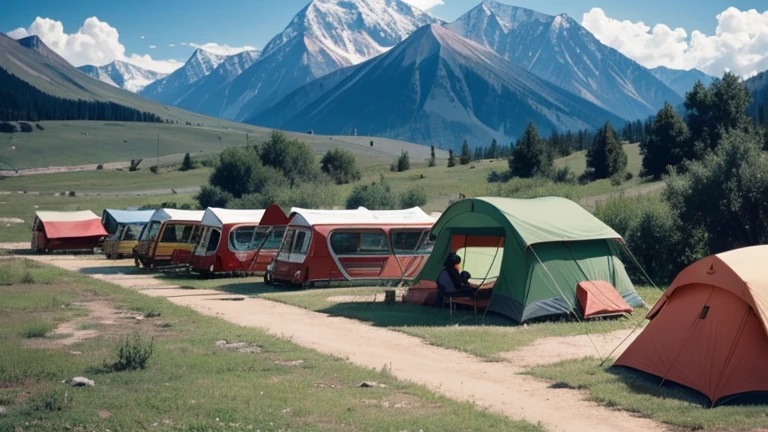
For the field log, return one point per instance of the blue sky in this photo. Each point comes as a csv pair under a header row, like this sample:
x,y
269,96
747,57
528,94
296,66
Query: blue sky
x,y
253,22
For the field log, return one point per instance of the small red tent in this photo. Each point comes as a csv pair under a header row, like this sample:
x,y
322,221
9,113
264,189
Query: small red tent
x,y
709,331
66,230
600,298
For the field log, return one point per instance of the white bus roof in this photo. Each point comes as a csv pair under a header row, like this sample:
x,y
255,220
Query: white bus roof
x,y
218,217
360,216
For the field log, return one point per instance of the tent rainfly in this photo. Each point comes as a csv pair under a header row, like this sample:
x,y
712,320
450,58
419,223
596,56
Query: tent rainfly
x,y
66,230
536,250
709,331
112,219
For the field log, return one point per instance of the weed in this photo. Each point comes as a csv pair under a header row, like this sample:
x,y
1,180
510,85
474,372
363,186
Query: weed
x,y
151,314
27,278
35,330
50,401
133,353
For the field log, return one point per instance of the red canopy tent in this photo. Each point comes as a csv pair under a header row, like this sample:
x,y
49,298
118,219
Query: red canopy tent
x,y
77,230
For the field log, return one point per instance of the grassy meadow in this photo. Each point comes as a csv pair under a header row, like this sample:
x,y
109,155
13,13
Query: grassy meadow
x,y
189,382
96,190
66,143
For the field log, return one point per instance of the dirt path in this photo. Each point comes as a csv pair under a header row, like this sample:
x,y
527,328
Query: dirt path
x,y
496,386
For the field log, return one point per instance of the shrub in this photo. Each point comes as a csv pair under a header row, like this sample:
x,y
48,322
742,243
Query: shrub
x,y
212,196
25,127
451,159
563,175
617,179
294,158
35,330
498,177
6,127
133,353
153,169
413,197
208,162
340,165
37,125
374,196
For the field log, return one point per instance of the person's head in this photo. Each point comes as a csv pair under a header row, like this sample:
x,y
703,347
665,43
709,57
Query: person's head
x,y
452,260
465,276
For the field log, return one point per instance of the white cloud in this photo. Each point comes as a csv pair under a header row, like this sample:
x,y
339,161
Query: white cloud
x,y
424,4
740,42
171,45
95,43
183,44
221,49
142,37
152,46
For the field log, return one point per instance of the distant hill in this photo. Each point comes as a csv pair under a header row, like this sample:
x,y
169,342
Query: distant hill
x,y
681,81
436,88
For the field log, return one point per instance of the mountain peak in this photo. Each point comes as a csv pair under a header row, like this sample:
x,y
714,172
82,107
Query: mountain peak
x,y
352,31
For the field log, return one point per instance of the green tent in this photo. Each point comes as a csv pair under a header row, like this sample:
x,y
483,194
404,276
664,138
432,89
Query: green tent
x,y
536,251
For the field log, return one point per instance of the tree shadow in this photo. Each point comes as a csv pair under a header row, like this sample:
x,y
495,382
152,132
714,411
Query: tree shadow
x,y
405,314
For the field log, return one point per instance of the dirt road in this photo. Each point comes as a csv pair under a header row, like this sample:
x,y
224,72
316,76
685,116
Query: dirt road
x,y
497,386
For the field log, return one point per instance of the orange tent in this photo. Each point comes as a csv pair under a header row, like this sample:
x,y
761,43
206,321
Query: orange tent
x,y
709,331
600,298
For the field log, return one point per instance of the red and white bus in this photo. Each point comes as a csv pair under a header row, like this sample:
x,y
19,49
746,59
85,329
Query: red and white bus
x,y
324,246
238,241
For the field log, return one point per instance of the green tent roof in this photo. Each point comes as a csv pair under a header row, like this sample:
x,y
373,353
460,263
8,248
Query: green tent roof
x,y
541,220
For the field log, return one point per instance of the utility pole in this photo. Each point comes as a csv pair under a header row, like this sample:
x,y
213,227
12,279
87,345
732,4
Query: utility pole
x,y
158,152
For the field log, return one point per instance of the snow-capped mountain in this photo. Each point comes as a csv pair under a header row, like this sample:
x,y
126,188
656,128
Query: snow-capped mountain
x,y
207,95
560,50
439,88
681,81
124,75
171,89
323,37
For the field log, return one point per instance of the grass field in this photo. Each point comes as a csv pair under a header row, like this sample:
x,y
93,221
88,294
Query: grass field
x,y
626,389
190,383
119,189
65,143
484,337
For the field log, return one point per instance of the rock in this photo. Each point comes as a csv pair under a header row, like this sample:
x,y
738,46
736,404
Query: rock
x,y
371,384
290,363
75,352
81,382
221,343
3,410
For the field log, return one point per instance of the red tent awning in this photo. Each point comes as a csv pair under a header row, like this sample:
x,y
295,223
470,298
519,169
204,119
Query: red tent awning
x,y
600,298
73,229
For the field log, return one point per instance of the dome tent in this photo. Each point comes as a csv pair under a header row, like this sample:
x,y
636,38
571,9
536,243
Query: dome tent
x,y
537,251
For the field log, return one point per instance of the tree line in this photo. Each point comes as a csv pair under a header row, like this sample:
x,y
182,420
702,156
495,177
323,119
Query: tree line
x,y
21,101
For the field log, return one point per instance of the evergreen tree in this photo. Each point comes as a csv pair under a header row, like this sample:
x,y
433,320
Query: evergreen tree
x,y
493,150
465,156
187,164
607,157
403,162
530,157
667,143
432,159
451,159
478,153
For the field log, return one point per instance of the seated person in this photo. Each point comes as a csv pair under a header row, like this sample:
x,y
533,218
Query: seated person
x,y
451,283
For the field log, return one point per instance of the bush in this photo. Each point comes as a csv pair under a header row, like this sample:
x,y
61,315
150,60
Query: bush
x,y
37,125
374,196
187,164
25,127
413,197
208,162
498,177
563,175
653,234
153,169
6,127
212,196
318,194
532,188
294,158
340,165
240,172
133,353
617,179
451,159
